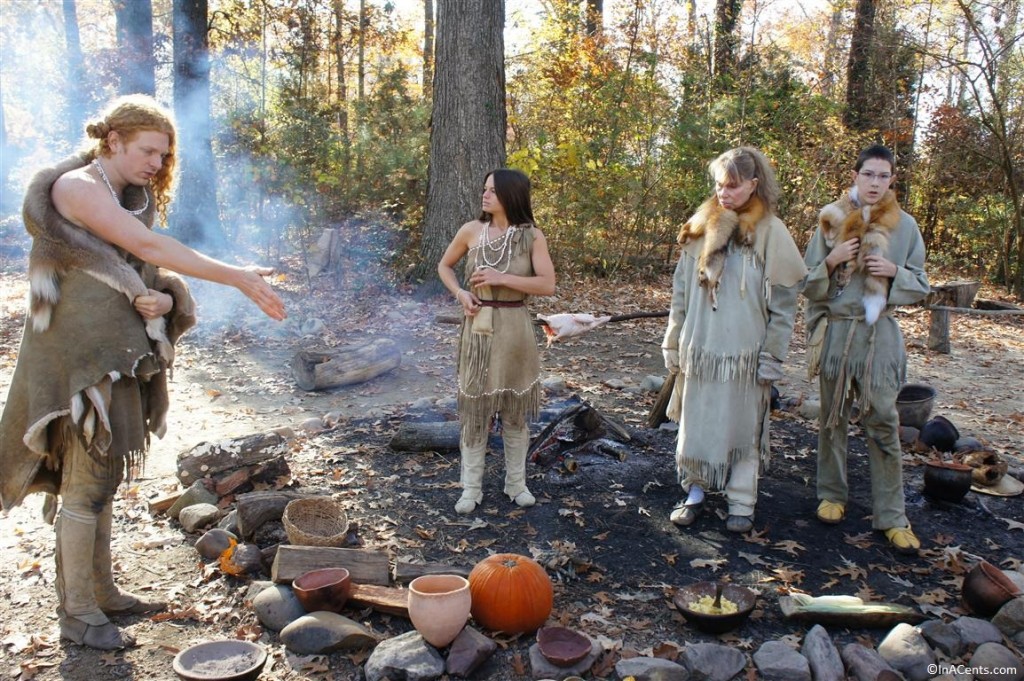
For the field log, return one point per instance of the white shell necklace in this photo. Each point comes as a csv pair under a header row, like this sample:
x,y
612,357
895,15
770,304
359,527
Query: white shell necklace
x,y
103,176
504,248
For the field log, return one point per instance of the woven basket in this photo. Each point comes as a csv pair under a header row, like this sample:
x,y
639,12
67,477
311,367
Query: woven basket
x,y
315,521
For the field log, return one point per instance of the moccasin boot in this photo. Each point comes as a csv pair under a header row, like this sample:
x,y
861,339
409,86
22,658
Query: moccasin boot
x,y
903,540
80,617
112,600
516,442
471,476
831,512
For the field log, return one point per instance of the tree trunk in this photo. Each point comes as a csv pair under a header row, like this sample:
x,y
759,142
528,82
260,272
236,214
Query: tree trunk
x,y
360,92
428,46
134,29
830,74
727,19
469,122
595,16
339,56
197,220
76,73
346,366
858,66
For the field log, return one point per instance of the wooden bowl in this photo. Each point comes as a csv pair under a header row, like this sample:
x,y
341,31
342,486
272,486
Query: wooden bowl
x,y
986,589
562,647
743,597
224,660
324,589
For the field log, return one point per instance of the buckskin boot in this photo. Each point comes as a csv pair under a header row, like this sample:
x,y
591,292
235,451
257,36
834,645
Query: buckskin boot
x,y
516,441
112,600
81,619
471,476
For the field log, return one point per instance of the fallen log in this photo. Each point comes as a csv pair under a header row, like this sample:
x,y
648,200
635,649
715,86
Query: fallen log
x,y
658,414
406,572
209,459
322,370
365,567
256,508
440,436
240,480
387,599
162,503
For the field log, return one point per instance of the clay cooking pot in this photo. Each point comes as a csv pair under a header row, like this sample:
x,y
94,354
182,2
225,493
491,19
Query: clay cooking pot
x,y
323,589
947,481
986,589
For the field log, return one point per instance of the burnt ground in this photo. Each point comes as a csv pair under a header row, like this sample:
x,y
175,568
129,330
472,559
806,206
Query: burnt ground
x,y
602,531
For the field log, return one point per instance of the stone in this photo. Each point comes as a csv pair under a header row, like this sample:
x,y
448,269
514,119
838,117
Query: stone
x,y
230,522
312,425
422,404
447,404
809,409
974,631
776,660
255,588
615,383
277,607
905,649
712,661
407,657
468,651
198,516
197,493
542,669
214,542
651,669
287,432
652,384
553,384
1010,618
863,663
1016,577
248,558
822,655
943,637
995,662
325,632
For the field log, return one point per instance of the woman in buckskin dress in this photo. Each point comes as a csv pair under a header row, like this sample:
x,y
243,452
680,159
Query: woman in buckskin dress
x,y
734,300
507,260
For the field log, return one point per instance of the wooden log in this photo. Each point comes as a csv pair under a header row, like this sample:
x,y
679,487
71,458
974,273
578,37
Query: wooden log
x,y
388,599
322,370
210,458
160,504
256,508
405,572
954,293
938,331
365,567
440,436
658,415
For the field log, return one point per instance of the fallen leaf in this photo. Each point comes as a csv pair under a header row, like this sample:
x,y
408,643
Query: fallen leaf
x,y
790,546
753,558
715,564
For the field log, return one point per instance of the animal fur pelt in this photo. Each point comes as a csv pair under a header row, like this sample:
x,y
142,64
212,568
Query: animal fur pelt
x,y
719,226
842,221
59,246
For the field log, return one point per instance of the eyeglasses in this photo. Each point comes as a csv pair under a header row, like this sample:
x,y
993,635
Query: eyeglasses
x,y
870,176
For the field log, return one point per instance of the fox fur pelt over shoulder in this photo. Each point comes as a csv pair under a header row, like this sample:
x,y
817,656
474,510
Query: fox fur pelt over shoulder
x,y
719,226
59,246
841,221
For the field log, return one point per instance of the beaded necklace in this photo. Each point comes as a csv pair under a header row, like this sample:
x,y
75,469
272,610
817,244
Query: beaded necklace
x,y
103,176
504,248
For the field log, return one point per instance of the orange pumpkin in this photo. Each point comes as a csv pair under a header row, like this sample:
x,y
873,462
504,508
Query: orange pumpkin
x,y
511,593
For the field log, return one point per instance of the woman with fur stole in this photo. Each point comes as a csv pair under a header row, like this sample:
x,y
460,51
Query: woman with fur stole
x,y
733,304
90,384
866,256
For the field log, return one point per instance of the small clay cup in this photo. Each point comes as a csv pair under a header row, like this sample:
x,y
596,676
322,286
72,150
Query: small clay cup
x,y
324,589
986,589
561,646
947,481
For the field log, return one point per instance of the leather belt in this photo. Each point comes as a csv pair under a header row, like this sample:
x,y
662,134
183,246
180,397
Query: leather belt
x,y
502,303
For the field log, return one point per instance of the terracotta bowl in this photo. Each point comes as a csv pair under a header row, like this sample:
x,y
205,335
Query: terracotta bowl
x,y
986,589
323,589
226,660
743,597
947,481
914,404
561,646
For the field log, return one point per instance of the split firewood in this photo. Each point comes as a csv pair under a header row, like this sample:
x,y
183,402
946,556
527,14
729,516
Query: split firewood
x,y
256,508
162,503
406,572
314,370
386,599
210,459
365,567
440,436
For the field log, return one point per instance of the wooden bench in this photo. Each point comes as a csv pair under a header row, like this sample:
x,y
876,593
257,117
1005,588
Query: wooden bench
x,y
957,297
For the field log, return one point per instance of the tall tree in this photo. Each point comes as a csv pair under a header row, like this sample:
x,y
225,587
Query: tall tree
x,y
76,72
196,216
428,44
467,135
595,16
340,62
858,66
727,40
134,29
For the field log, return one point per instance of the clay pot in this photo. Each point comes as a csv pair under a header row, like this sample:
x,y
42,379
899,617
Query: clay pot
x,y
743,597
947,481
914,404
324,589
940,433
439,607
986,589
562,646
